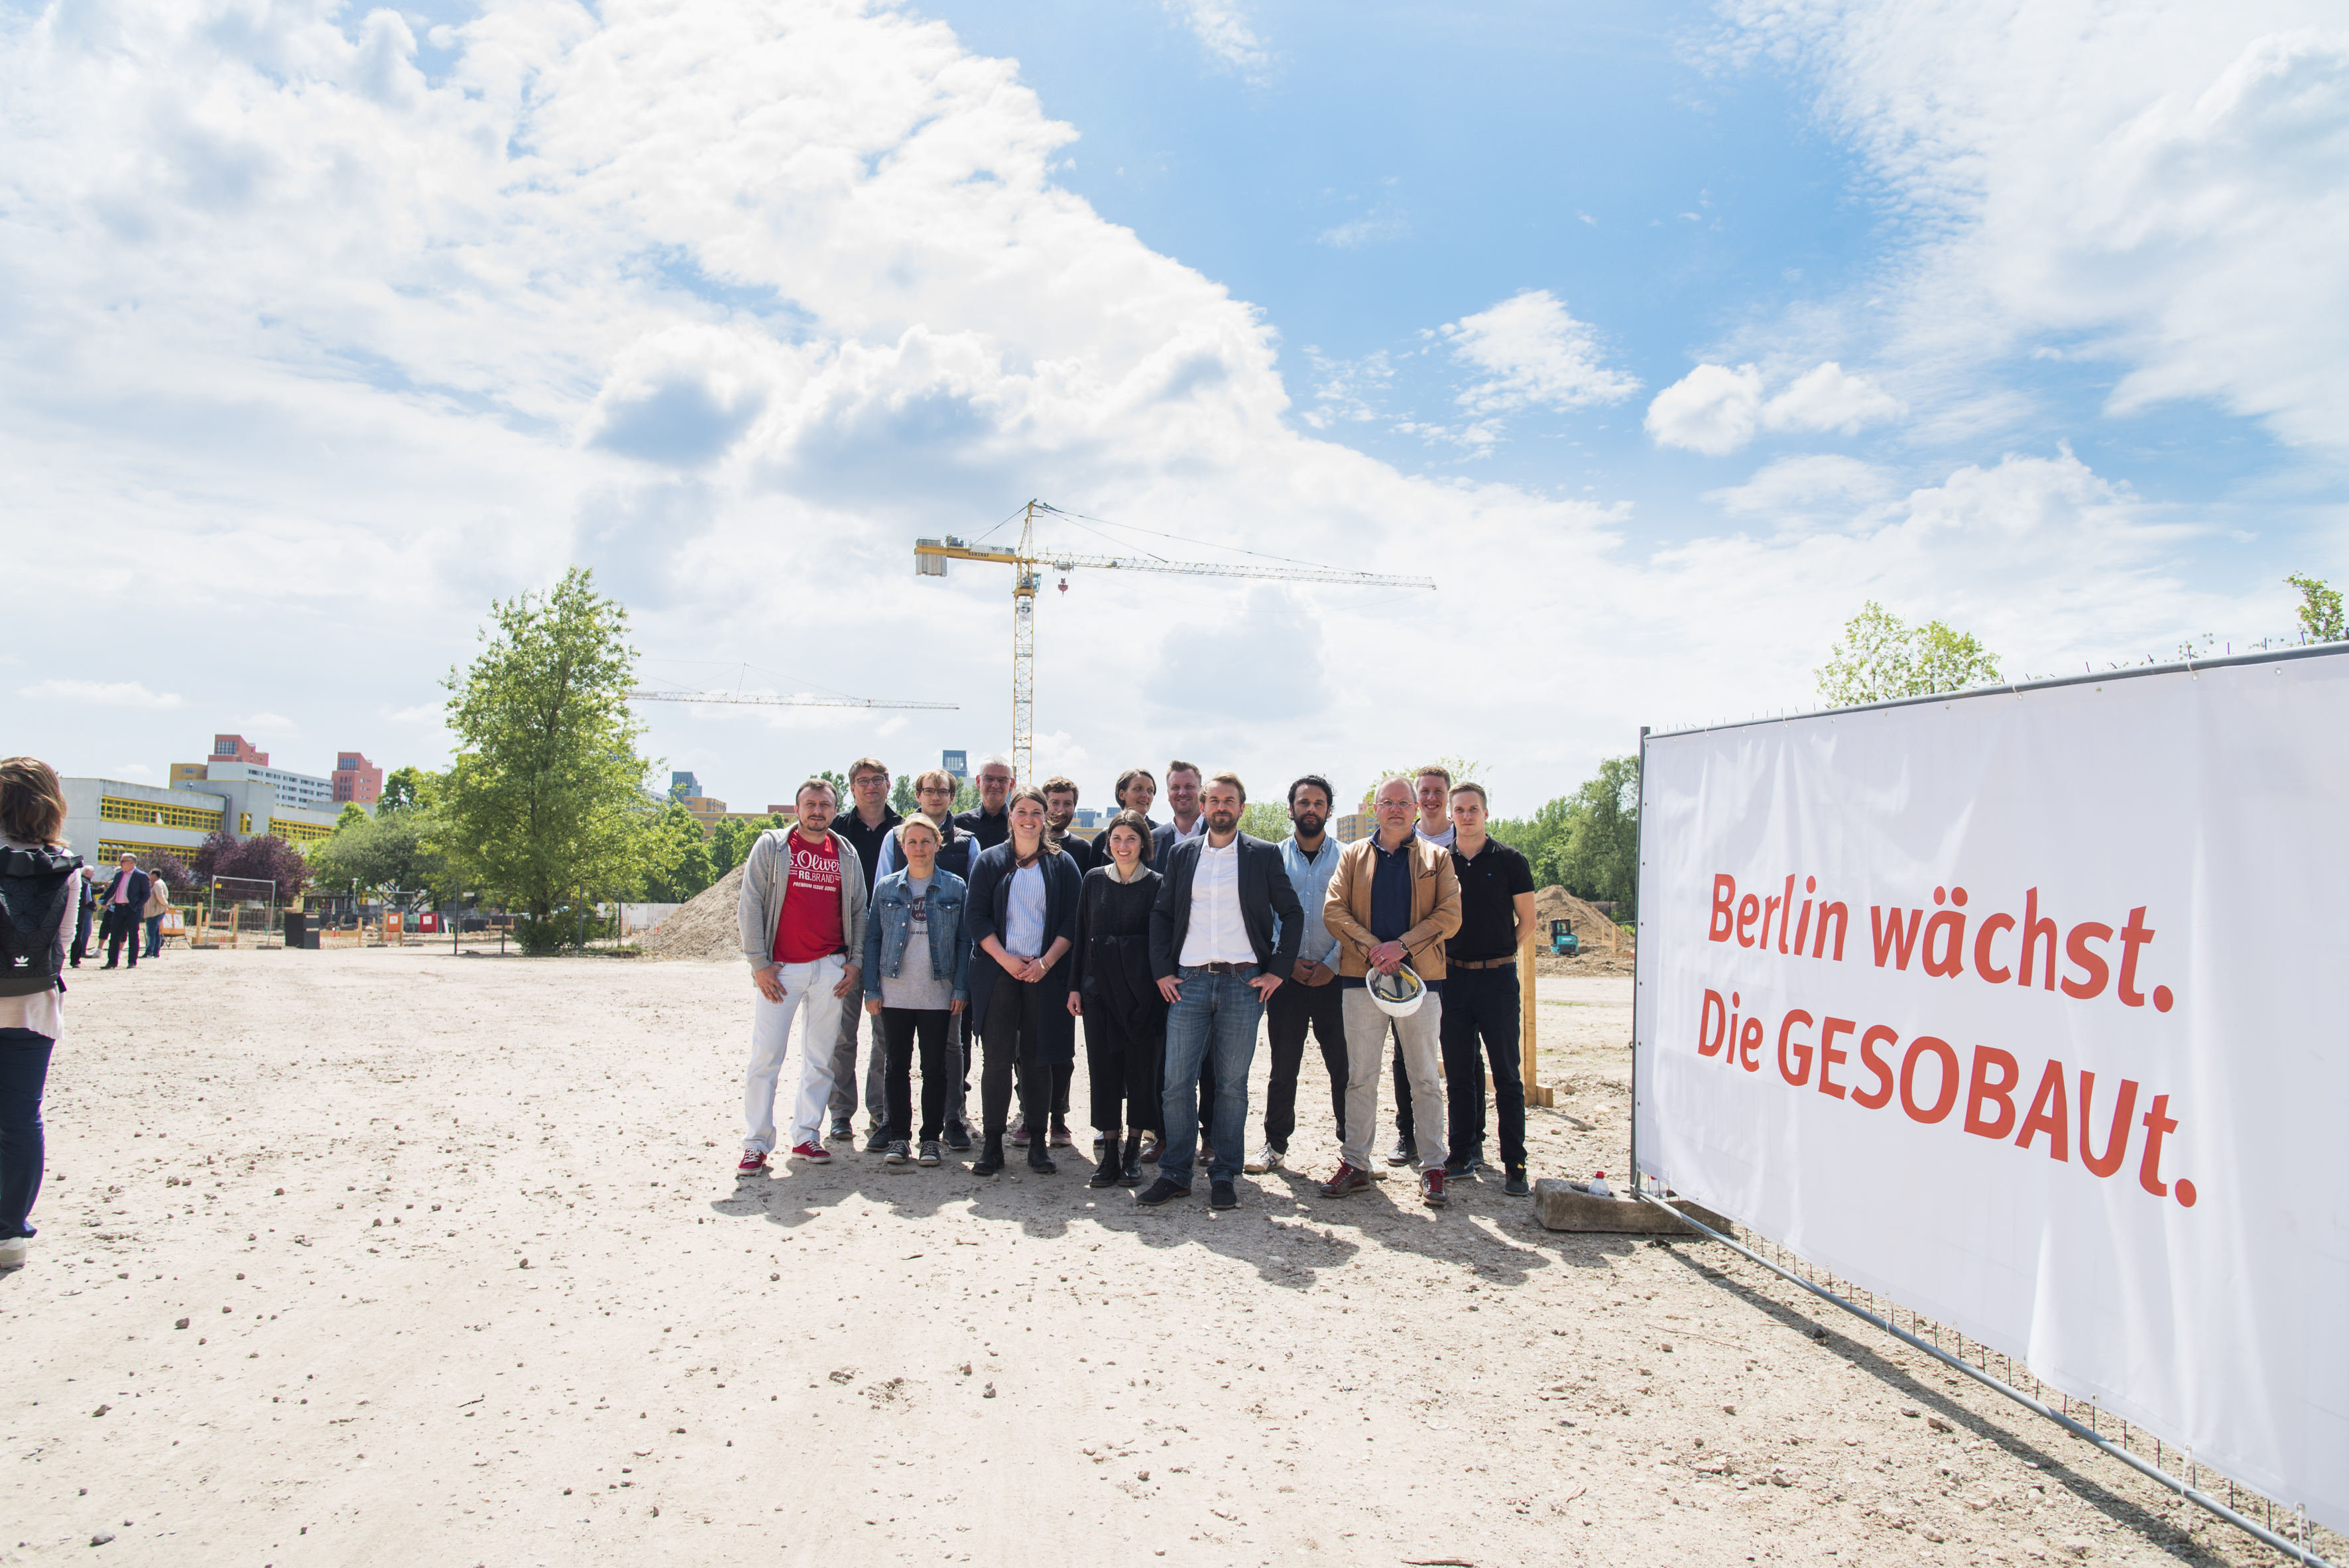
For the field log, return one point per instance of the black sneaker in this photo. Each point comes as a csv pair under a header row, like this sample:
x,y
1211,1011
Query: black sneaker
x,y
1221,1196
841,1131
1519,1187
899,1149
958,1139
929,1155
1404,1152
878,1143
1461,1166
1161,1191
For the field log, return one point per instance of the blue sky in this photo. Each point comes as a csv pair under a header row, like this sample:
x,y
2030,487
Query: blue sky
x,y
1662,337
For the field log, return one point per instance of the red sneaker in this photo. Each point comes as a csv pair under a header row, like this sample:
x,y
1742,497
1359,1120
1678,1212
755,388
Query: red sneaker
x,y
1431,1187
1347,1180
815,1153
753,1163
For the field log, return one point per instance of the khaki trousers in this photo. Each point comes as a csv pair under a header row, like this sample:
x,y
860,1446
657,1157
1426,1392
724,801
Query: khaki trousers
x,y
1420,1037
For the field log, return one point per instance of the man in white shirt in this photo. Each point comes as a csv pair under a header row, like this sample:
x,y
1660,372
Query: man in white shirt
x,y
1223,936
1433,789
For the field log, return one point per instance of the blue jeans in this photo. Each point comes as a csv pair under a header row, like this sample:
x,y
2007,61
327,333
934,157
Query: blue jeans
x,y
23,1071
1217,1015
154,936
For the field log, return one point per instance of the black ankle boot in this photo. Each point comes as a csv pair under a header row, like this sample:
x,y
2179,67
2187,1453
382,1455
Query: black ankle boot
x,y
1106,1168
1040,1157
1132,1175
990,1156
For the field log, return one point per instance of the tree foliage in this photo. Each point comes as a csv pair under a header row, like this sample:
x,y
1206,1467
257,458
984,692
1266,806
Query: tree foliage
x,y
1267,819
1881,657
1587,842
2321,619
901,797
730,842
678,863
1462,768
405,788
388,850
264,857
546,795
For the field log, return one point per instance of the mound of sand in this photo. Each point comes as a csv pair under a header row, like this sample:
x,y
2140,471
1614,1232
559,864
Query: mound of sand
x,y
1596,957
705,927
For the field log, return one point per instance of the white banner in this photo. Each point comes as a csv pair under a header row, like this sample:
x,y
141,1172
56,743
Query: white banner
x,y
2013,1008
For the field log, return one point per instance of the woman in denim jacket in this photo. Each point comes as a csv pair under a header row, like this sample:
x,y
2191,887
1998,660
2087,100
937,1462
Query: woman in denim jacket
x,y
916,978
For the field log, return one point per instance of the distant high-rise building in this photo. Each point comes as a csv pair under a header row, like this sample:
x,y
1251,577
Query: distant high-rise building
x,y
682,784
234,748
358,781
957,763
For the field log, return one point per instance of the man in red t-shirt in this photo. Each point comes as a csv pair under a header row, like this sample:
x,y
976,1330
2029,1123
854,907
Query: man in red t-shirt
x,y
802,916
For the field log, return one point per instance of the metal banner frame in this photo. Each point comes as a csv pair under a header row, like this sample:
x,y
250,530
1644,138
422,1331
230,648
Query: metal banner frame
x,y
1654,1191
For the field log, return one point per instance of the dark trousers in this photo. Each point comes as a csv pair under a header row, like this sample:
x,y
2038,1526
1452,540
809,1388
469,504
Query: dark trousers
x,y
941,1066
1010,1033
1123,1068
82,936
121,928
1480,1025
23,1071
154,936
1293,1009
1402,1089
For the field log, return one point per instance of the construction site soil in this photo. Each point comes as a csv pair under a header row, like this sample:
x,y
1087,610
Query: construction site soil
x,y
394,1257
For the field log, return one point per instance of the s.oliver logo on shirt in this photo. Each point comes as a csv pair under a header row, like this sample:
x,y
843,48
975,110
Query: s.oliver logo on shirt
x,y
816,869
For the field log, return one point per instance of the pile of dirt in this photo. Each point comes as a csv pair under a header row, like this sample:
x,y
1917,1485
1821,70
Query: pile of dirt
x,y
704,928
1592,926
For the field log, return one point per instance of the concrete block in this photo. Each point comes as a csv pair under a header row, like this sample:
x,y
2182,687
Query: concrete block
x,y
1564,1206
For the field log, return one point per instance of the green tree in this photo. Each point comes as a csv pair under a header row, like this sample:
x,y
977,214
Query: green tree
x,y
731,840
901,799
1881,657
390,849
1266,820
1587,842
1462,768
966,795
352,812
405,788
678,861
2320,609
545,800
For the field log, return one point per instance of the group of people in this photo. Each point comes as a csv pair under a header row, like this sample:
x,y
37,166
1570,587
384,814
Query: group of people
x,y
991,935
130,908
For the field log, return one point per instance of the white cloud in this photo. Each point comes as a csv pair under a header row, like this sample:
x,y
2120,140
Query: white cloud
x,y
1532,351
2159,187
1713,409
100,694
1809,490
731,299
1830,398
1223,30
132,770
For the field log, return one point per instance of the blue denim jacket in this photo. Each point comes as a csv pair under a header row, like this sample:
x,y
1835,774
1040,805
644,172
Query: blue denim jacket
x,y
891,920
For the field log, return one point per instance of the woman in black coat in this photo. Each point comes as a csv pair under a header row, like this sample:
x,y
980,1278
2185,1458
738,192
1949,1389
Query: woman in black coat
x,y
1022,919
1125,1017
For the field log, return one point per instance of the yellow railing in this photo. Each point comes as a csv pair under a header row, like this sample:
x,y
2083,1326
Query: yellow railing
x,y
300,832
187,818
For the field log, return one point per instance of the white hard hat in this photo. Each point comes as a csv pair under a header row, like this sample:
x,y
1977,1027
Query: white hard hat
x,y
1398,994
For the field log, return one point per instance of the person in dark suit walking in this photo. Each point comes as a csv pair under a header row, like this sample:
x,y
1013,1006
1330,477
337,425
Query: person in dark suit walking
x,y
1223,938
125,899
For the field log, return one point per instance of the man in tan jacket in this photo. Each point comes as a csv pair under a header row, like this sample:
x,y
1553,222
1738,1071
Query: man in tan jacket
x,y
1393,900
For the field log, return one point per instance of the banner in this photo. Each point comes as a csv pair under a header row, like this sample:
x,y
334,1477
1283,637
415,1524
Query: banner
x,y
2012,1007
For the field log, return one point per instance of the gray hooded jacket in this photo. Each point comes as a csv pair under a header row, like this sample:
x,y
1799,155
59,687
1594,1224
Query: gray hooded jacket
x,y
765,880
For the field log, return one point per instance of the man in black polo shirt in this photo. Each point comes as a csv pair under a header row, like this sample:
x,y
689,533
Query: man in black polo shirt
x,y
1480,991
990,824
866,826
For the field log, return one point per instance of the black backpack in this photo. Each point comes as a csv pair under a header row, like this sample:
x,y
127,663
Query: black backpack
x,y
36,887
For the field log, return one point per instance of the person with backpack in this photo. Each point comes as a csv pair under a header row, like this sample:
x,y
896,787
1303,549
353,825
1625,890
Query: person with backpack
x,y
40,887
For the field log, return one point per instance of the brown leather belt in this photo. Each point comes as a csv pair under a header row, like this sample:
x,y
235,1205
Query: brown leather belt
x,y
1221,968
1508,963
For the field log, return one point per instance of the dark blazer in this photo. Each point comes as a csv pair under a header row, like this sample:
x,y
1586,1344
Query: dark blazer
x,y
1163,839
136,893
985,914
1086,852
1265,891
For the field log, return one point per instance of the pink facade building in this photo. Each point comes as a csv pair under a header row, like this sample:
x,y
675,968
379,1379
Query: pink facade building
x,y
233,749
356,780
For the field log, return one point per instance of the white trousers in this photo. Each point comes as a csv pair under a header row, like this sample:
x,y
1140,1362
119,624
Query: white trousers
x,y
1366,1067
807,995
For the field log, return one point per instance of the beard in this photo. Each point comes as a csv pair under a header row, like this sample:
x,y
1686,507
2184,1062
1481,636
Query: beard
x,y
1310,824
1223,821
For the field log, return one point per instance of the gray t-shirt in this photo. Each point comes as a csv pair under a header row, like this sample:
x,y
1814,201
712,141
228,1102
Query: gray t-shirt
x,y
913,984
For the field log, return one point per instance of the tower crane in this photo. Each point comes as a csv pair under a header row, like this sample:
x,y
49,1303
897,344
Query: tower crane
x,y
931,555
779,701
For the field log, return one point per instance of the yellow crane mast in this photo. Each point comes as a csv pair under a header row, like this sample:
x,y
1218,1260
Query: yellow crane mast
x,y
931,555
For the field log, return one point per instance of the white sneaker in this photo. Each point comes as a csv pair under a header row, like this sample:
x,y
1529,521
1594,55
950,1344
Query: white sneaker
x,y
13,1251
1268,1160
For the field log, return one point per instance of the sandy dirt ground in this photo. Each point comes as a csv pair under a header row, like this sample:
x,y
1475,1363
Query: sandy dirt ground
x,y
403,1258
